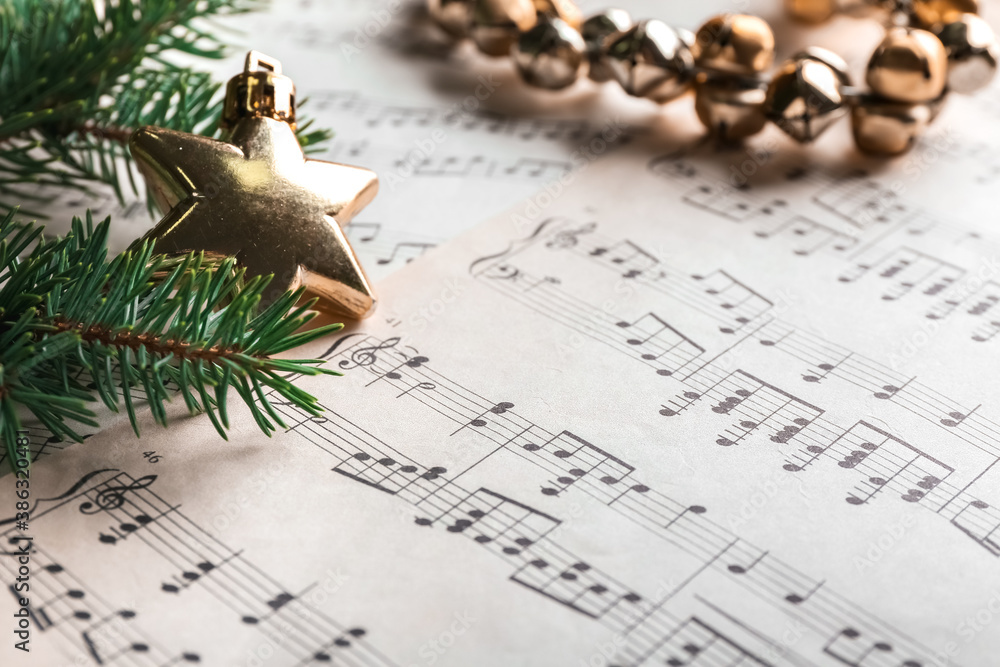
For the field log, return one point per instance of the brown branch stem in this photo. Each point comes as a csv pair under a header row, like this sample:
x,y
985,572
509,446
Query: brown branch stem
x,y
153,344
115,133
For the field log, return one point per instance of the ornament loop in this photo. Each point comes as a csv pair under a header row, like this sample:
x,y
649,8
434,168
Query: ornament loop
x,y
259,91
256,60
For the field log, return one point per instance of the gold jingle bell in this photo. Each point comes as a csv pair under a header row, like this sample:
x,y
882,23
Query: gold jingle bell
x,y
453,16
731,108
256,197
933,13
564,10
496,24
811,11
735,43
910,65
883,127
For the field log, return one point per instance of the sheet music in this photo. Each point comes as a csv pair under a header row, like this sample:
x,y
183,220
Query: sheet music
x,y
667,418
670,416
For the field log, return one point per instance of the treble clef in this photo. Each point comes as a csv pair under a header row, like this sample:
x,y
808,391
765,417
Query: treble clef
x,y
569,238
504,272
367,356
113,496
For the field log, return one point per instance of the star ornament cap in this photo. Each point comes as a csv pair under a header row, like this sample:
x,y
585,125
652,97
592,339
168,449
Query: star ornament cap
x,y
256,197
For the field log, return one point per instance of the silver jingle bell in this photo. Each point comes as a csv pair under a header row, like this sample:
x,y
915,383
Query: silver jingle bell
x,y
597,32
805,96
651,60
550,55
972,53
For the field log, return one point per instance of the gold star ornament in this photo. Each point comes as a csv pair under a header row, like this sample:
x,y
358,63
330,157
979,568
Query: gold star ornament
x,y
256,197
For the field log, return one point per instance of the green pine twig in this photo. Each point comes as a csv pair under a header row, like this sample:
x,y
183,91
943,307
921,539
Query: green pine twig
x,y
77,326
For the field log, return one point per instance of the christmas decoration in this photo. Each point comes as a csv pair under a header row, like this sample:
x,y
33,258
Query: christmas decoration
x,y
76,325
256,197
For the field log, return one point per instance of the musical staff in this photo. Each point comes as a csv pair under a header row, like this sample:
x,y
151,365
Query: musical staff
x,y
808,236
907,271
648,337
730,202
696,643
89,627
576,465
254,598
860,201
884,461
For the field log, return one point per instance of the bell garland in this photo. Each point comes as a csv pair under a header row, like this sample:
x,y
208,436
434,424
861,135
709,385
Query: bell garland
x,y
931,48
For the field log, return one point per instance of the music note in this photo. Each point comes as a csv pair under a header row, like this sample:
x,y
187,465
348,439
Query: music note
x,y
379,470
548,280
632,260
889,391
861,201
955,418
852,648
662,341
408,250
737,568
732,295
809,236
824,369
425,386
393,374
581,460
694,642
908,270
796,598
884,460
498,409
757,404
981,522
366,231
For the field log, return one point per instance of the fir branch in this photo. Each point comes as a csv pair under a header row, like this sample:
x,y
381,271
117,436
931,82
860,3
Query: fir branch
x,y
76,82
76,326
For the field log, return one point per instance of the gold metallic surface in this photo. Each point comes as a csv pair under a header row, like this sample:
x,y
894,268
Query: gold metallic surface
x,y
805,96
454,16
550,55
735,43
731,109
598,31
258,198
496,24
565,10
972,53
650,60
932,13
811,11
890,128
910,65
